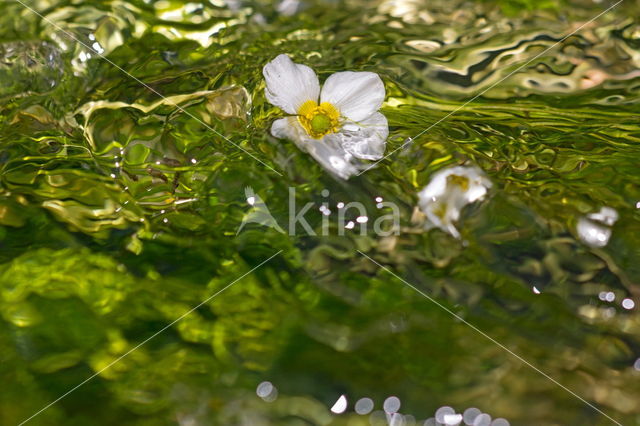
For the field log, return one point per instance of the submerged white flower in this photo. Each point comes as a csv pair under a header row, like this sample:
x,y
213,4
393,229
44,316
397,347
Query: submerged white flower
x,y
595,229
449,190
340,125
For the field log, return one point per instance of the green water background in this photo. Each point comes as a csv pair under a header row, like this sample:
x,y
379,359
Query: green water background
x,y
119,214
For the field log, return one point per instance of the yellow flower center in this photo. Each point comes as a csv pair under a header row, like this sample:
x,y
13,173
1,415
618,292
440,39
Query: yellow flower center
x,y
318,120
461,181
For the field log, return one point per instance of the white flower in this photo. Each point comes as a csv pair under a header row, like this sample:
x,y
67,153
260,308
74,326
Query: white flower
x,y
595,229
340,125
448,192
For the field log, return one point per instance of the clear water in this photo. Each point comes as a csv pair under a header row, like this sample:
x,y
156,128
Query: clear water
x,y
119,214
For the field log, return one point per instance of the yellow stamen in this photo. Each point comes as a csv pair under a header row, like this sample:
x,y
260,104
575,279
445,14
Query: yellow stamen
x,y
318,120
461,181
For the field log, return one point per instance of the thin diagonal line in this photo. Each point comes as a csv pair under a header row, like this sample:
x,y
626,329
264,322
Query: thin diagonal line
x,y
151,337
71,36
459,318
408,141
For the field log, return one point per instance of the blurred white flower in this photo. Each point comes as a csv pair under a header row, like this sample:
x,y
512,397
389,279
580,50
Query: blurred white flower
x,y
448,192
339,125
595,229
285,7
288,7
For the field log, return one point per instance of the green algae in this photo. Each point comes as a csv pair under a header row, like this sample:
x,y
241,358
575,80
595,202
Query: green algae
x,y
119,212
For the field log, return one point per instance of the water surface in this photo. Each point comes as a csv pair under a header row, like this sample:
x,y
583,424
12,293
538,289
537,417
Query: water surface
x,y
119,211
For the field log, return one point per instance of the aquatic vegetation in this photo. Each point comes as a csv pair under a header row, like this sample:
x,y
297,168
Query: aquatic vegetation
x,y
339,125
139,177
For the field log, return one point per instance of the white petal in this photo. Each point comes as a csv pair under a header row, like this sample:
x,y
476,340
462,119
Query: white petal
x,y
327,151
330,154
289,85
286,128
365,139
356,94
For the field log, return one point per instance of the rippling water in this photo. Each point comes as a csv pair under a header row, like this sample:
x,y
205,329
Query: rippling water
x,y
119,211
